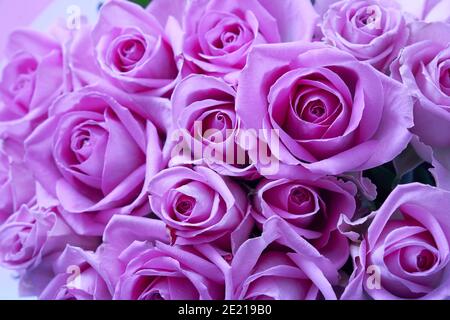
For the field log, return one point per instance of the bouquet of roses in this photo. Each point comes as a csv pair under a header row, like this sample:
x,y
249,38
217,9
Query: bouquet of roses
x,y
229,149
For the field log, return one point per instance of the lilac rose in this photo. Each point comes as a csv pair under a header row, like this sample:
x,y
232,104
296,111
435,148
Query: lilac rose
x,y
425,10
373,31
320,110
142,266
34,232
31,80
280,266
197,205
77,277
95,155
220,34
424,67
205,120
133,50
312,208
405,253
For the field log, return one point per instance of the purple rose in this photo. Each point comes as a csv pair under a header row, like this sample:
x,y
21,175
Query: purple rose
x,y
33,233
371,30
424,67
426,10
31,80
312,208
142,265
322,110
205,118
220,34
278,265
78,277
94,154
198,205
405,254
133,50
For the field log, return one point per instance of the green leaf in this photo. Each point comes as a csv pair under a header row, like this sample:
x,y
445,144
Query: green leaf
x,y
422,174
143,3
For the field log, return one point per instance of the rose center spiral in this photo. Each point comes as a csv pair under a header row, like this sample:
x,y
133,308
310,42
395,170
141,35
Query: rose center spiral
x,y
425,260
185,205
128,53
299,196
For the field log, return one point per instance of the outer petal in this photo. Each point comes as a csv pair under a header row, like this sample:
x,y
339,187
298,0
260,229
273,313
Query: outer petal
x,y
162,10
296,18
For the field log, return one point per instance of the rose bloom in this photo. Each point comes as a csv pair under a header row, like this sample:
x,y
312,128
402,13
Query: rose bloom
x,y
34,232
85,71
322,111
197,205
424,67
371,30
77,277
312,208
406,248
31,80
219,34
16,182
280,266
205,118
142,266
425,10
132,49
94,155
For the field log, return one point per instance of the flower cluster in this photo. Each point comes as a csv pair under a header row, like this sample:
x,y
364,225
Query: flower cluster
x,y
225,149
